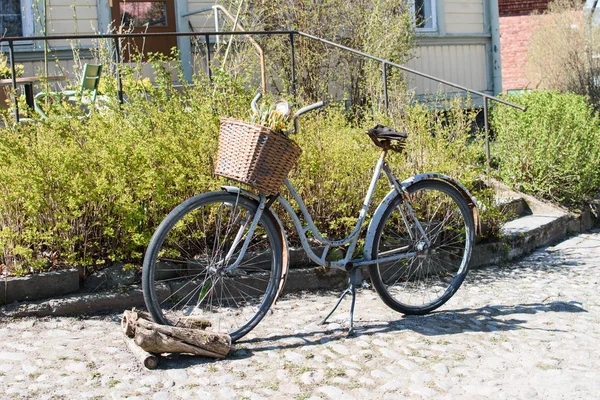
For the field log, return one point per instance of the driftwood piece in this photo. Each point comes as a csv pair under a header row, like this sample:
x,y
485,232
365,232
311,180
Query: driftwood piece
x,y
157,342
156,338
148,360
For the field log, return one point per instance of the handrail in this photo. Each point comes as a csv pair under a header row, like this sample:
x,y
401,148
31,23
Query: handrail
x,y
385,63
412,71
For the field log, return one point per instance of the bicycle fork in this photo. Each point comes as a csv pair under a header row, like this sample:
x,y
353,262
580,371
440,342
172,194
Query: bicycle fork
x,y
240,234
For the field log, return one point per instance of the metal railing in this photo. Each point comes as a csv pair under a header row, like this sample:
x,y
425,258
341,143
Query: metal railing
x,y
291,35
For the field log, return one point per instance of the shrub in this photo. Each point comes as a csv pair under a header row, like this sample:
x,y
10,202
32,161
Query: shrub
x,y
553,149
87,192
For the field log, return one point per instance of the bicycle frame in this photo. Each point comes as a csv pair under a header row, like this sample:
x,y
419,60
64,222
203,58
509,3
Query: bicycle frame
x,y
351,240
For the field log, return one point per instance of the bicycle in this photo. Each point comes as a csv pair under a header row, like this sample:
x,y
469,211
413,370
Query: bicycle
x,y
220,259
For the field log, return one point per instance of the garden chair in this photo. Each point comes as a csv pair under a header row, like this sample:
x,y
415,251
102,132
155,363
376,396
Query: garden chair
x,y
85,94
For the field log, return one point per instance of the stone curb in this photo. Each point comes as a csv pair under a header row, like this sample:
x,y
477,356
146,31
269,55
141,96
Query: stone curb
x,y
514,244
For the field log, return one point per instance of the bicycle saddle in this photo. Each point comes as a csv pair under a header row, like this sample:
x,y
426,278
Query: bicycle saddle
x,y
383,136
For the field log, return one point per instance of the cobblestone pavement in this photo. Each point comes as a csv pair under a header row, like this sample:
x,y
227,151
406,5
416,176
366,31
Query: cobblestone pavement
x,y
526,330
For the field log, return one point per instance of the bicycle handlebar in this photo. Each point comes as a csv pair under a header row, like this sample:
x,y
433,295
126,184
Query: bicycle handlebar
x,y
303,110
309,108
255,100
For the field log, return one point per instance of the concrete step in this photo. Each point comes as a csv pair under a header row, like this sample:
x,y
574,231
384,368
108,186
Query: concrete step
x,y
513,207
533,224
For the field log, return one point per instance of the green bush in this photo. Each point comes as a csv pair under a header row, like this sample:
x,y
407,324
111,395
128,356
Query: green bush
x,y
552,150
87,192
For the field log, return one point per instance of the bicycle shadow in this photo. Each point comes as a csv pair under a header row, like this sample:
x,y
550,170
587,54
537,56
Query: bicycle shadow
x,y
447,322
490,319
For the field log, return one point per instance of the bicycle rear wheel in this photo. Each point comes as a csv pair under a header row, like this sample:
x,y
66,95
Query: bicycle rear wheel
x,y
184,278
424,281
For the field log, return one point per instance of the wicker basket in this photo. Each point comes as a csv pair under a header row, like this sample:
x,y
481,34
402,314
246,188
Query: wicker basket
x,y
255,155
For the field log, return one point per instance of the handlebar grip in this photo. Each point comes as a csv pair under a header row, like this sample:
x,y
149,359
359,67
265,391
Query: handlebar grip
x,y
254,105
309,108
305,110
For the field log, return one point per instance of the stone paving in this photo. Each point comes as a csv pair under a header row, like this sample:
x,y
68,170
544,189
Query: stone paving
x,y
528,330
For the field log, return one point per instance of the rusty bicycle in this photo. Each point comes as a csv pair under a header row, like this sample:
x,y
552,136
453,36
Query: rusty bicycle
x,y
222,257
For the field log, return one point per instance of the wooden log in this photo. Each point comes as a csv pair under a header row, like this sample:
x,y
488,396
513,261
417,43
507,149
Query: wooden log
x,y
156,338
157,342
148,360
216,343
192,323
128,322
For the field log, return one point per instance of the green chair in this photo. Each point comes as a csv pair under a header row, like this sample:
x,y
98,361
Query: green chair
x,y
86,93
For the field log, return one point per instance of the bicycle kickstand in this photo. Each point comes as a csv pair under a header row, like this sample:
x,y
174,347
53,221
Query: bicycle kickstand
x,y
350,290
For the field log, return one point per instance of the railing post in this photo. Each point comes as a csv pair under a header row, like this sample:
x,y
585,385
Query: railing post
x,y
118,69
293,63
385,87
13,71
208,72
487,135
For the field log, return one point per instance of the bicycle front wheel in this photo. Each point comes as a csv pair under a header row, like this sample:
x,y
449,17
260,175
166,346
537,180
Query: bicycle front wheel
x,y
185,278
436,263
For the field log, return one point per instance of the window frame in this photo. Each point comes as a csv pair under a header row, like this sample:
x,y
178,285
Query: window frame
x,y
26,21
433,20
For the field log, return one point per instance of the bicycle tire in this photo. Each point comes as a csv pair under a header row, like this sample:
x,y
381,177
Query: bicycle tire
x,y
182,276
420,284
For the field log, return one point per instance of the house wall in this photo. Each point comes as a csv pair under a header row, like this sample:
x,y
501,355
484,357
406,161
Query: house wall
x,y
464,16
65,17
518,20
516,32
461,64
459,52
204,21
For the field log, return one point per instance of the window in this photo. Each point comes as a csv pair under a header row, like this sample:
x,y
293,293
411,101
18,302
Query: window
x,y
16,18
146,16
146,13
425,15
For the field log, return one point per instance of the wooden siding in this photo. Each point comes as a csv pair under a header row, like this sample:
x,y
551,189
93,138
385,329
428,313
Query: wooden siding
x,y
464,16
67,17
461,64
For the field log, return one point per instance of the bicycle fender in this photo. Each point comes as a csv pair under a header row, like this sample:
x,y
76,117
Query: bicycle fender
x,y
378,214
370,236
285,264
